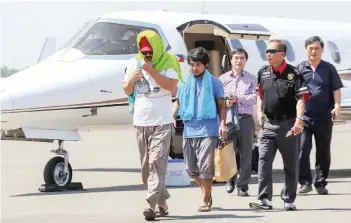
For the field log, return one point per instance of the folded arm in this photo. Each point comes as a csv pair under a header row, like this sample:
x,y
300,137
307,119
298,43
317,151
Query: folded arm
x,y
166,83
248,99
251,97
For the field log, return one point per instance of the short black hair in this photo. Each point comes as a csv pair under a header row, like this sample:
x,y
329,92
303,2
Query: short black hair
x,y
314,39
198,54
281,44
239,50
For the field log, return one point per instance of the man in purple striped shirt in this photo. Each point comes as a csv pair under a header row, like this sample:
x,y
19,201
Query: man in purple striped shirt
x,y
240,87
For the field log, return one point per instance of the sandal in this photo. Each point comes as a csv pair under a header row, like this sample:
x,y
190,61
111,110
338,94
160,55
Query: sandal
x,y
149,214
161,212
204,209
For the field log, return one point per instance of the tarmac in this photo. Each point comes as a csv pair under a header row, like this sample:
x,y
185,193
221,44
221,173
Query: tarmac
x,y
107,163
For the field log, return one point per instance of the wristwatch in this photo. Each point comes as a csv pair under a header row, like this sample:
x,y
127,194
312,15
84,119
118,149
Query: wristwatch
x,y
300,117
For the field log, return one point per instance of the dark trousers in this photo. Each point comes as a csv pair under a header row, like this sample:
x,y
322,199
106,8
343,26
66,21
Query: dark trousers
x,y
322,131
272,137
243,140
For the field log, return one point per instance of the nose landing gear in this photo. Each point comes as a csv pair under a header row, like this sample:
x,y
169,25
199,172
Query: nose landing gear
x,y
58,173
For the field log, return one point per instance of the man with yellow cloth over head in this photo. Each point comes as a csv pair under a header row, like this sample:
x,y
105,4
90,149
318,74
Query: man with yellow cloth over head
x,y
150,79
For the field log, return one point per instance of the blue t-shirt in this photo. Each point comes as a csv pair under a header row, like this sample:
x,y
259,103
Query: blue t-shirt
x,y
203,128
320,103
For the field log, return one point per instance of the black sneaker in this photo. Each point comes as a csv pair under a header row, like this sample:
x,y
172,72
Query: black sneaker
x,y
304,189
230,186
264,204
322,190
242,193
289,207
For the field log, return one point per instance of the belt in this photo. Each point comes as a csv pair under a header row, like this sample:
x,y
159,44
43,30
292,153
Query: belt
x,y
241,116
279,117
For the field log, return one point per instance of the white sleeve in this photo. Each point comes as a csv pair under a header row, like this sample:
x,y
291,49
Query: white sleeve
x,y
171,73
129,71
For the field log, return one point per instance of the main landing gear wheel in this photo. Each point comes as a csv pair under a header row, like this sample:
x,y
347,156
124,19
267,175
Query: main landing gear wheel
x,y
54,172
58,173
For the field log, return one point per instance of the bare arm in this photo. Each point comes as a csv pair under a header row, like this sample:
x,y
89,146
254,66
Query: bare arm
x,y
128,87
259,108
259,105
337,97
222,110
300,106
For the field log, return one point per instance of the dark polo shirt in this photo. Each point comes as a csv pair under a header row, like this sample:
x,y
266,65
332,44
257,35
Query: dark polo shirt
x,y
321,102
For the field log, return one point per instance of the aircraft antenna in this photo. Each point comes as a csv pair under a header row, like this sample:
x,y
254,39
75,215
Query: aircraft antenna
x,y
42,50
203,7
48,48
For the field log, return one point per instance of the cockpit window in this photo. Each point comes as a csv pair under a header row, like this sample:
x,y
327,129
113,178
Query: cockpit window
x,y
334,51
80,32
290,55
106,38
261,45
235,44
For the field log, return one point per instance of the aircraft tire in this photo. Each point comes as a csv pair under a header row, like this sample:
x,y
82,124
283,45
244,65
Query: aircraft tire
x,y
53,172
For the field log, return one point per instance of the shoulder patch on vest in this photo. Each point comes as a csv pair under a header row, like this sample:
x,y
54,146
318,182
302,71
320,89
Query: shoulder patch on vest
x,y
291,76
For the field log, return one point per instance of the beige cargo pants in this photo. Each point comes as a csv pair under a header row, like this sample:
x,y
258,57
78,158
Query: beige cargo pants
x,y
154,145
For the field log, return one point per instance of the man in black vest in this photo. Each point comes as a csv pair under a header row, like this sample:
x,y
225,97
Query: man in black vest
x,y
280,107
323,107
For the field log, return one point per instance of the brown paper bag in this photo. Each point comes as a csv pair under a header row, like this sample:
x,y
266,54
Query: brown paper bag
x,y
225,163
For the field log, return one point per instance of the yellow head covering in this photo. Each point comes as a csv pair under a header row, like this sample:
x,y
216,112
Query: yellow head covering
x,y
161,60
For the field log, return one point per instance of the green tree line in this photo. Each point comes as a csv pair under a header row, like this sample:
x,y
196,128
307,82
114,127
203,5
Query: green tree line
x,y
5,71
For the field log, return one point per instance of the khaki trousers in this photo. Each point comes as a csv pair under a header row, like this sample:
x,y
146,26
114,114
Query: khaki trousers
x,y
154,144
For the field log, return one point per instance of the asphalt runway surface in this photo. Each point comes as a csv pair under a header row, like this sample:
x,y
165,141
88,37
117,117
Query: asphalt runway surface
x,y
107,163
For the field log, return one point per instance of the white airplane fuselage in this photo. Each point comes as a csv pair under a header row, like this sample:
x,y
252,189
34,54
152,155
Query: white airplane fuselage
x,y
73,89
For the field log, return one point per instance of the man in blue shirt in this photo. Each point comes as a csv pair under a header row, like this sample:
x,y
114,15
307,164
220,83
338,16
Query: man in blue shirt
x,y
321,110
200,104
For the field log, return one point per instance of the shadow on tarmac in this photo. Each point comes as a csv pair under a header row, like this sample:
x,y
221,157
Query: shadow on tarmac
x,y
278,177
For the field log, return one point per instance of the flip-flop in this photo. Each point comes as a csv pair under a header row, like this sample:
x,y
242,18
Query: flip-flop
x,y
161,212
204,209
149,214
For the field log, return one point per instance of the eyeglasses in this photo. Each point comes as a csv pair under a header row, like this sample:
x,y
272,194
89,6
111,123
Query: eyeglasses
x,y
273,51
147,52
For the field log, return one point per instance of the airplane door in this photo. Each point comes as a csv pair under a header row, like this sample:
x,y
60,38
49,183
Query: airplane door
x,y
229,30
212,35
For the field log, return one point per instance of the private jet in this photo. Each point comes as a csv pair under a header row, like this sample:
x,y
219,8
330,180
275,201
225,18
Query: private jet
x,y
80,85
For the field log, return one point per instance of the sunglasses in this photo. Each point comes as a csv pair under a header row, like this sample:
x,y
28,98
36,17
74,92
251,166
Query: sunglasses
x,y
147,52
273,51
